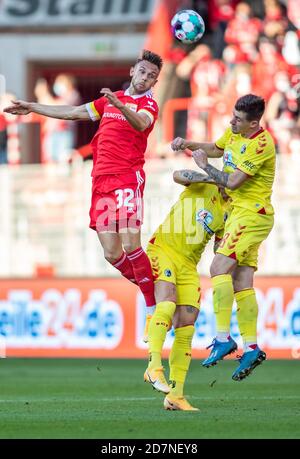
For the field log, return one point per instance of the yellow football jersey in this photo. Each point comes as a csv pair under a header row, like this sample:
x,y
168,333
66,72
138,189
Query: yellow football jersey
x,y
193,220
256,157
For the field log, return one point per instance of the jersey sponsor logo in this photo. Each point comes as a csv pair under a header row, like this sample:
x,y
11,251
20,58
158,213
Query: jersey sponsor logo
x,y
205,218
249,165
168,272
227,158
116,116
132,107
243,148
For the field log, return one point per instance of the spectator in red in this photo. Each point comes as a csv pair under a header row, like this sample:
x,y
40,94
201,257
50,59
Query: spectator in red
x,y
275,22
270,61
293,13
220,13
238,83
243,31
206,75
58,135
282,111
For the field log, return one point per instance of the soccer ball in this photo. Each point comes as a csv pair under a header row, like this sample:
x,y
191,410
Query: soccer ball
x,y
187,26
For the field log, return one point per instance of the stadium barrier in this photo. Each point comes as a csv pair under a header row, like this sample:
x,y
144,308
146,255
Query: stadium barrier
x,y
104,318
45,219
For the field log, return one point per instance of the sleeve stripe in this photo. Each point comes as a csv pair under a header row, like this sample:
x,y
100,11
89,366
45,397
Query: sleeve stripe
x,y
219,148
147,113
92,111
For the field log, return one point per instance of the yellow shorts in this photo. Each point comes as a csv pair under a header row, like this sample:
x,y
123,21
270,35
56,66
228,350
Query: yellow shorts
x,y
175,268
244,232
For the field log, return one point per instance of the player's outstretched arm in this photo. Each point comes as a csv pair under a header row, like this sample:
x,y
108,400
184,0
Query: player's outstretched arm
x,y
64,112
212,151
187,177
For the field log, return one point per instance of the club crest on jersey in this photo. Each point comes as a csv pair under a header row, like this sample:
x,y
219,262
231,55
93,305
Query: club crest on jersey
x,y
243,149
132,107
204,217
227,158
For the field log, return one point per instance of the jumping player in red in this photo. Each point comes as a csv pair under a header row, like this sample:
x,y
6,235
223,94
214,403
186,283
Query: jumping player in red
x,y
126,120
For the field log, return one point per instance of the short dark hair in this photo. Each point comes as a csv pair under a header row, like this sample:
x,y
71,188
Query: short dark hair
x,y
151,57
253,106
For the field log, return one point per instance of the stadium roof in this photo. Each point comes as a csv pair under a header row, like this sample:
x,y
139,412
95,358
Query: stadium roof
x,y
70,13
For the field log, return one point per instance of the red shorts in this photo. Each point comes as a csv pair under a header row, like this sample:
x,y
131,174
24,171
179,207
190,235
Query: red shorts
x,y
117,201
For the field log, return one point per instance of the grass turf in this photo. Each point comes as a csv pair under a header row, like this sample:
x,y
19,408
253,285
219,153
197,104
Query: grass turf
x,y
104,399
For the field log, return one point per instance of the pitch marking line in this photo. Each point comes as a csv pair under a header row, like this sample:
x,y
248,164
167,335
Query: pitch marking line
x,y
142,399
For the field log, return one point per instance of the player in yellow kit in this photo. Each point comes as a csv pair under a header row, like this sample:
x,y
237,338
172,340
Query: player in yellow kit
x,y
174,251
249,167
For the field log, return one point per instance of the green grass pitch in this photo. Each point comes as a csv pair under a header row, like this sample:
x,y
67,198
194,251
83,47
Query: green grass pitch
x,y
102,399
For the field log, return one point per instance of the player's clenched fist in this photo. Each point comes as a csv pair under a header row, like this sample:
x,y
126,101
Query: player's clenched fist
x,y
111,97
179,144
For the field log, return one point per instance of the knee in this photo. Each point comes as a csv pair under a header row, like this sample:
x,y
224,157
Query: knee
x,y
242,278
221,266
215,270
165,291
111,256
237,285
179,322
185,316
130,246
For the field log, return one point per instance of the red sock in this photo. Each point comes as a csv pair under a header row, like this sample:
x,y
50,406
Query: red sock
x,y
124,266
143,274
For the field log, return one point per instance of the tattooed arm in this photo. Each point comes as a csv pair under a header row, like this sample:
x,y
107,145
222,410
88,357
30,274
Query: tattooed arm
x,y
187,176
231,181
212,151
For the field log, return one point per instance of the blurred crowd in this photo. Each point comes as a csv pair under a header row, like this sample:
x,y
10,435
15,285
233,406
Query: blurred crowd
x,y
248,47
58,137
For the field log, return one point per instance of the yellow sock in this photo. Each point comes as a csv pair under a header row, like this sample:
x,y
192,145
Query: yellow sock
x,y
180,358
158,328
223,297
247,312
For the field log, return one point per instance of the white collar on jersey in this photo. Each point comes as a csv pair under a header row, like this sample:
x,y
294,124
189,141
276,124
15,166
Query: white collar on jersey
x,y
137,96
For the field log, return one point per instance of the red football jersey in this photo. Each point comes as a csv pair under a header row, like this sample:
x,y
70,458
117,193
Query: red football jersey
x,y
117,147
